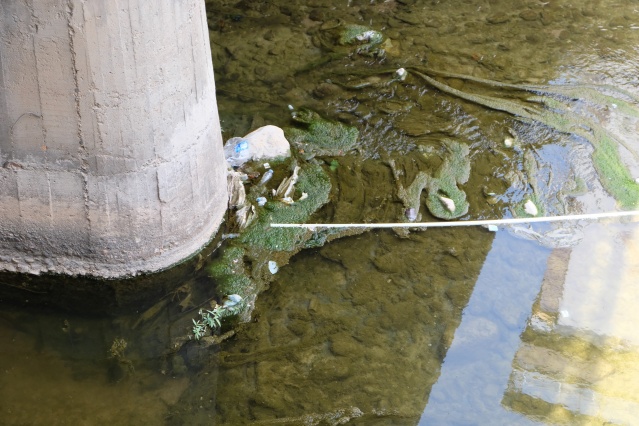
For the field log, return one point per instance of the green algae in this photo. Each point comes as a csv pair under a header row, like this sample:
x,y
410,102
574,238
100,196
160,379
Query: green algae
x,y
230,273
313,181
319,136
615,177
551,106
454,171
444,184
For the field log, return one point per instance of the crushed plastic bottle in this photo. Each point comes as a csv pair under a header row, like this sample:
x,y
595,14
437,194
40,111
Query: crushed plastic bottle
x,y
267,176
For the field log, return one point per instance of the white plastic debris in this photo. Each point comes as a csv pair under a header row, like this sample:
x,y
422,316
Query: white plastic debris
x,y
564,313
232,300
401,74
448,203
272,267
266,177
508,142
267,166
492,228
261,201
531,208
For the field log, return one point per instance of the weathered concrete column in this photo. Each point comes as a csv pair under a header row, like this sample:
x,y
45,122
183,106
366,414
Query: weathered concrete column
x,y
111,158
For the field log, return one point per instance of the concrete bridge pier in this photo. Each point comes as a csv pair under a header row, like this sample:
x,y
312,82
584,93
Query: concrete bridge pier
x,y
111,159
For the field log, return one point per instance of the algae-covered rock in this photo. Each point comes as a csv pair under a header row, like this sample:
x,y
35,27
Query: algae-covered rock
x,y
229,272
313,181
317,136
360,34
245,266
445,199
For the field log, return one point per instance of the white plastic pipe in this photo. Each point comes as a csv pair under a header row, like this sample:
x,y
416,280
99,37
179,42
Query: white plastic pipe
x,y
591,216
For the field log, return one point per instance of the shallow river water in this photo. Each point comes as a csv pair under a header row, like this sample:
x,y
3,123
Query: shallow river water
x,y
449,326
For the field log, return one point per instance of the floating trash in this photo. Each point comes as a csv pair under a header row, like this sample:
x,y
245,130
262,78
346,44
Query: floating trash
x,y
261,201
229,236
448,203
232,300
530,208
272,267
411,214
401,74
267,176
492,228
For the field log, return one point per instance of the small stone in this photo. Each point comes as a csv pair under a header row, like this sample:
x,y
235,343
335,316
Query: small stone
x,y
323,90
508,142
529,15
317,15
498,18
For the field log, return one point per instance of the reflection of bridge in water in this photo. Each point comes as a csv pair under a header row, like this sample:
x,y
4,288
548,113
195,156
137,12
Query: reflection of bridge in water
x,y
574,360
579,356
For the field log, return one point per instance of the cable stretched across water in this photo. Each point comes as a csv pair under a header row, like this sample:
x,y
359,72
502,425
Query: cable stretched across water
x,y
486,222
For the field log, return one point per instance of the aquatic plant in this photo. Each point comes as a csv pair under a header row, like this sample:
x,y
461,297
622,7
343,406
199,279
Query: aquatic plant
x,y
116,352
211,320
319,136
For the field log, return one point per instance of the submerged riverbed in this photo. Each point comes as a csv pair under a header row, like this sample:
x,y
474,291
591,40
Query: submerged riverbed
x,y
526,325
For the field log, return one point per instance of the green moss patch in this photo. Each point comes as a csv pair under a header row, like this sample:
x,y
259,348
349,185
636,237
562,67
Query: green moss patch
x,y
313,181
229,272
322,137
454,171
614,176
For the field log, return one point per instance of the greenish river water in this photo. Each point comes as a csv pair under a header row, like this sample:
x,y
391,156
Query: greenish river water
x,y
526,325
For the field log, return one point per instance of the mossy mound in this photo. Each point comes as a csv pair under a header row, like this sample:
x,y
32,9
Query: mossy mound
x,y
321,137
446,188
229,272
454,171
243,267
412,195
259,235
